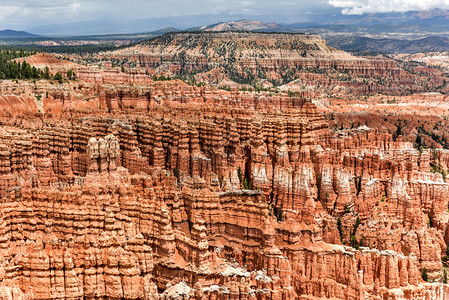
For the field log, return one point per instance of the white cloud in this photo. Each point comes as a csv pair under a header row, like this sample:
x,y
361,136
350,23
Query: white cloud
x,y
75,6
5,14
18,13
8,10
358,7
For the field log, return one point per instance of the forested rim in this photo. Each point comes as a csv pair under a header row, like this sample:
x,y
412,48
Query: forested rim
x,y
82,49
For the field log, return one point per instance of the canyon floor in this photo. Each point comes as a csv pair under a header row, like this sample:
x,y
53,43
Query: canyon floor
x,y
225,166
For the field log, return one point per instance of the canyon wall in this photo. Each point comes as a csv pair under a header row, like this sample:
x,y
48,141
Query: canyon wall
x,y
125,185
168,193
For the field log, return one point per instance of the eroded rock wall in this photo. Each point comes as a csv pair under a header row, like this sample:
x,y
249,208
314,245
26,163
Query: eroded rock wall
x,y
212,202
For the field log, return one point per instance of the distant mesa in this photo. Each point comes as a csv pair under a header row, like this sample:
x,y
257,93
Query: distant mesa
x,y
244,25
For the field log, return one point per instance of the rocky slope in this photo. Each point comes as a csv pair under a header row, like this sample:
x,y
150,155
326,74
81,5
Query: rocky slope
x,y
246,53
267,60
125,188
42,60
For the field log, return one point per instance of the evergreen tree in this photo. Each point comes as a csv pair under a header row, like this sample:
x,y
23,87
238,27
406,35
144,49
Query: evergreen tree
x,y
58,77
35,73
46,74
27,72
340,228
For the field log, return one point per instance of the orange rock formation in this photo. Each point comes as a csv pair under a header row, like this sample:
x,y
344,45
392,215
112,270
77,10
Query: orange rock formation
x,y
164,190
116,186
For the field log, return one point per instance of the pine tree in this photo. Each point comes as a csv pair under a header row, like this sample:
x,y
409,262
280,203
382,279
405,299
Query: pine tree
x,y
46,74
58,77
340,228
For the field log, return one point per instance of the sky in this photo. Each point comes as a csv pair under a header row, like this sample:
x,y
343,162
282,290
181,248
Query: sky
x,y
358,7
35,14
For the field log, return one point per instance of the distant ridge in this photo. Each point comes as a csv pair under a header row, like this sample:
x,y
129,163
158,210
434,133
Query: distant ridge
x,y
243,25
357,43
13,34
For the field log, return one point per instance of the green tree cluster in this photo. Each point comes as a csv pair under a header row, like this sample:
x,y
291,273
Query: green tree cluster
x,y
354,242
58,77
11,69
71,75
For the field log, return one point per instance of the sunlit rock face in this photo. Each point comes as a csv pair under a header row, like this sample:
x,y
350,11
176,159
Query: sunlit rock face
x,y
137,189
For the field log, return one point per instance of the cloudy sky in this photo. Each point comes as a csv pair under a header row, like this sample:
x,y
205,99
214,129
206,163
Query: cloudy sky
x,y
358,7
29,14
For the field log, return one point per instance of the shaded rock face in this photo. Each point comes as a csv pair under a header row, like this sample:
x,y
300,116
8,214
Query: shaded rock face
x,y
194,200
